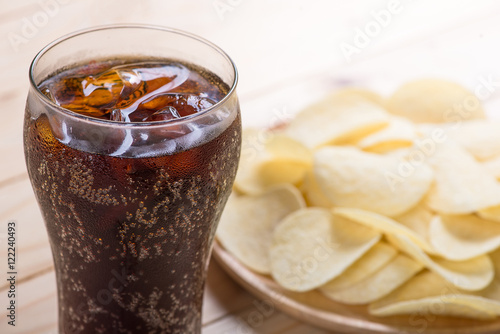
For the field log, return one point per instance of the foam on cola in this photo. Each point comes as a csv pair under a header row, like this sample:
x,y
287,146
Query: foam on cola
x,y
131,211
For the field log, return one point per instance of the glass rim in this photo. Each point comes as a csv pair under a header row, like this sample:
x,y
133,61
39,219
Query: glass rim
x,y
71,113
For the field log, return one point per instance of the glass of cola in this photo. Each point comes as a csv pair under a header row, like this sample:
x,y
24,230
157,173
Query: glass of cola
x,y
132,138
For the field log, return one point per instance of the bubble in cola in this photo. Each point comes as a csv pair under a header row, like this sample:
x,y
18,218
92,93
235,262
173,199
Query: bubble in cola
x,y
131,214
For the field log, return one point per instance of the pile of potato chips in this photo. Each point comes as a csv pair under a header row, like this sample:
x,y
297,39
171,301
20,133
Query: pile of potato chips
x,y
393,203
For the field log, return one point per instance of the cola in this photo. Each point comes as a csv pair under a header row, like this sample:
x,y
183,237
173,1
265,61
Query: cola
x,y
135,91
131,161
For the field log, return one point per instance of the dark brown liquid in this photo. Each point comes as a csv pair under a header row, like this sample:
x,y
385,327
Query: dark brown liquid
x,y
137,91
130,236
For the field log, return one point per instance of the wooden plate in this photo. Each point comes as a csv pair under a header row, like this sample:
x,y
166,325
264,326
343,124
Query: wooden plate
x,y
315,309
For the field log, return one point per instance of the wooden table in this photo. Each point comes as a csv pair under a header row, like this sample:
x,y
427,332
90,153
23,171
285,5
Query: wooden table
x,y
289,53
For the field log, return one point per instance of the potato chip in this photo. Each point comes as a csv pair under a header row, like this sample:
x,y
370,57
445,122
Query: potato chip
x,y
463,237
311,247
269,160
493,290
493,167
471,275
495,258
421,169
385,225
481,138
491,213
478,137
388,278
376,258
426,129
400,133
462,185
288,161
276,171
350,177
358,93
435,101
491,294
283,147
337,121
418,219
428,293
253,152
312,192
247,224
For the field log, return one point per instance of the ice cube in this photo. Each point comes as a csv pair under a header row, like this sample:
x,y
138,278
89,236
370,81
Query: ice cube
x,y
130,92
173,72
200,103
131,84
117,115
184,104
188,104
129,76
64,91
155,81
87,95
103,90
47,92
165,114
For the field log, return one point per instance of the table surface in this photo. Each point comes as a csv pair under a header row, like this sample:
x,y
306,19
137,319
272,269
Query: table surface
x,y
289,53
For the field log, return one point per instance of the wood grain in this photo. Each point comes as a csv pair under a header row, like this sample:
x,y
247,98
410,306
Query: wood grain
x,y
288,55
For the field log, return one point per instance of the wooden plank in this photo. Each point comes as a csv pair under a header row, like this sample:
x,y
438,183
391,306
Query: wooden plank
x,y
370,71
35,305
258,66
301,329
252,320
36,311
14,9
30,227
222,295
33,253
32,262
12,105
449,54
19,205
13,195
276,58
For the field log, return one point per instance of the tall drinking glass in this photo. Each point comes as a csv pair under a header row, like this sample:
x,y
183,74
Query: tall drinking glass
x,y
130,207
